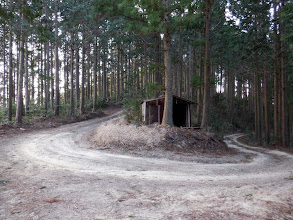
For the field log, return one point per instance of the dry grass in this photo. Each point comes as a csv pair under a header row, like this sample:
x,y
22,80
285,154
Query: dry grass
x,y
118,132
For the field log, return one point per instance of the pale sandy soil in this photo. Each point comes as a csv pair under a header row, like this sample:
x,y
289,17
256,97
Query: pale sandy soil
x,y
56,174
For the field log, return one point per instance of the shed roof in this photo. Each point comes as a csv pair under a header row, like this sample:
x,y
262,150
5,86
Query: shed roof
x,y
161,98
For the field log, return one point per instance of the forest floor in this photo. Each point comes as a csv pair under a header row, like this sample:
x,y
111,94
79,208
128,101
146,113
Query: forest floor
x,y
55,121
57,173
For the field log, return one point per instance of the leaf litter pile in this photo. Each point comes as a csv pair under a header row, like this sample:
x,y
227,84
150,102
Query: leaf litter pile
x,y
163,142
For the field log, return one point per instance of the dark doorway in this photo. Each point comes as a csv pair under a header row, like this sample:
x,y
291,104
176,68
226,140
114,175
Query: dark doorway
x,y
179,115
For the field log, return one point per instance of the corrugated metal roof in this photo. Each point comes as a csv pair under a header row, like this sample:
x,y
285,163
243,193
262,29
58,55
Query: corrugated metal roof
x,y
174,96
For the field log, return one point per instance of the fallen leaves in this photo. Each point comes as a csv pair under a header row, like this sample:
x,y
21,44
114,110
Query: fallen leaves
x,y
54,200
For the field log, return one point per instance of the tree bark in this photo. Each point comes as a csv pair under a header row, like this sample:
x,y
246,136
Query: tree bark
x,y
82,78
4,65
57,89
27,100
77,90
46,57
95,75
88,92
118,75
52,93
266,105
105,81
19,107
168,106
10,96
276,78
207,68
180,64
284,118
71,75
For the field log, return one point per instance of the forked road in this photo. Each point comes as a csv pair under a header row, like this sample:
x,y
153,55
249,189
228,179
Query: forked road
x,y
55,174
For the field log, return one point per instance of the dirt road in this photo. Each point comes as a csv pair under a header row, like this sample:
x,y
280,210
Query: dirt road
x,y
54,174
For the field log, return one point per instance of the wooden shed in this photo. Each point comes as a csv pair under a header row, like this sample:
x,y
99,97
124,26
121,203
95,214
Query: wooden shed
x,y
152,111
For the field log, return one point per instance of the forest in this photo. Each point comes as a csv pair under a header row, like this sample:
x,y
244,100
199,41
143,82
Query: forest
x,y
232,58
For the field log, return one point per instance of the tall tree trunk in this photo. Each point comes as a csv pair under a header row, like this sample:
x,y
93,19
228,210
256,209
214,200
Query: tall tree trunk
x,y
99,71
276,78
52,94
105,81
77,90
190,70
10,96
180,64
266,105
207,68
95,74
57,89
118,75
65,74
46,59
199,89
82,78
27,100
145,66
258,118
122,70
16,75
88,72
284,118
19,107
33,80
168,106
4,65
71,75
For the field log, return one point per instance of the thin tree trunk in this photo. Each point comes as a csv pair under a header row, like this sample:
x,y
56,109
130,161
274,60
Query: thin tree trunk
x,y
46,59
65,74
77,90
42,76
118,75
266,105
26,81
82,79
33,80
16,75
4,65
71,76
99,71
95,74
57,89
10,96
122,71
145,66
190,69
105,81
88,73
199,89
180,64
52,94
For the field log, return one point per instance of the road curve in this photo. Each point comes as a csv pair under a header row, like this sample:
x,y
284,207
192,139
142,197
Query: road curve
x,y
59,164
